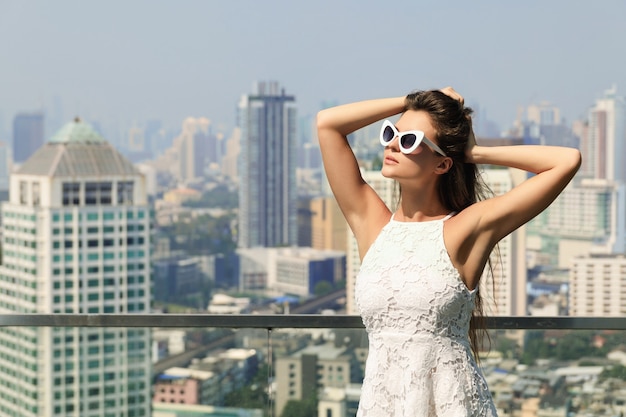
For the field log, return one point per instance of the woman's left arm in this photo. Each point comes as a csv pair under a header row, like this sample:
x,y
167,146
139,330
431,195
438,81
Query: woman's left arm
x,y
554,168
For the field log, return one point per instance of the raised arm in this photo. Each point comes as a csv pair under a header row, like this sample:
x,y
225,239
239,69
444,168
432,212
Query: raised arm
x,y
554,168
361,206
497,217
482,225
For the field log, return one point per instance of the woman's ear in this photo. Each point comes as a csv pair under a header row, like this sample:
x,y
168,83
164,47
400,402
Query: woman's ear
x,y
444,165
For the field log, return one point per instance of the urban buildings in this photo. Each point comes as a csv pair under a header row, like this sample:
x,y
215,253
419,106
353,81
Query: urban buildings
x,y
75,239
267,183
583,232
191,153
543,114
605,145
28,135
186,386
598,285
294,270
587,217
315,367
328,226
177,276
231,156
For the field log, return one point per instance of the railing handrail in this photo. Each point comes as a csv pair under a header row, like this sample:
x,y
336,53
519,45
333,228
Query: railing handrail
x,y
295,321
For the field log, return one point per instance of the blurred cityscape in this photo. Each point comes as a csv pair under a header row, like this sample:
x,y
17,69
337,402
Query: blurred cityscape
x,y
202,220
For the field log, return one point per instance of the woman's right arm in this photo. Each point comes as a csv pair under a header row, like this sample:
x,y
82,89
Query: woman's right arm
x,y
360,205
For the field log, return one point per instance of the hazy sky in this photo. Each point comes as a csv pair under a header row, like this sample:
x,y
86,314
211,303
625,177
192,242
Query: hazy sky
x,y
135,60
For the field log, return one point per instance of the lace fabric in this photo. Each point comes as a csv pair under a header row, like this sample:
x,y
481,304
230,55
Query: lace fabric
x,y
416,310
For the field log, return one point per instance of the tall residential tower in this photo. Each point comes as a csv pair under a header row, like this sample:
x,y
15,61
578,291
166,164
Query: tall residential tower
x,y
605,145
75,239
267,180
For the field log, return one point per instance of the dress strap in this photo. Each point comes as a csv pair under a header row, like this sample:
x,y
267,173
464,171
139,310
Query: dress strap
x,y
448,216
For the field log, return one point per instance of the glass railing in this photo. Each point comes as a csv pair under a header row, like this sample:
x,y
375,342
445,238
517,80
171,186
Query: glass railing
x,y
168,365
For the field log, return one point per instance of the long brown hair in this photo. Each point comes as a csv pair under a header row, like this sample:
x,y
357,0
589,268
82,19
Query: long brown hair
x,y
462,185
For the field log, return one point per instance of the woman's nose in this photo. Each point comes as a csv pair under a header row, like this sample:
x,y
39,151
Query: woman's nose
x,y
395,143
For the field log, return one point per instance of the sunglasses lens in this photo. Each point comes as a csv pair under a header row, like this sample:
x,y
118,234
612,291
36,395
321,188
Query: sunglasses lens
x,y
408,140
387,134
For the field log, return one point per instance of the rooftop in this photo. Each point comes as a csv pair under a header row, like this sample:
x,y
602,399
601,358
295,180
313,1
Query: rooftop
x,y
77,150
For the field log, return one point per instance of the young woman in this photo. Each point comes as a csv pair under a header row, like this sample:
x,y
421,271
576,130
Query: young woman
x,y
421,265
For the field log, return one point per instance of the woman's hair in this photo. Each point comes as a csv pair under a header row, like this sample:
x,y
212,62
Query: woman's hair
x,y
462,185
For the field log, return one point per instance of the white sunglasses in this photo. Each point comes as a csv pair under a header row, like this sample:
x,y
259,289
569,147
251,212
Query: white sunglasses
x,y
408,141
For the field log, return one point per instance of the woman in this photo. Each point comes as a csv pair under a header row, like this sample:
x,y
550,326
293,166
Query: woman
x,y
421,264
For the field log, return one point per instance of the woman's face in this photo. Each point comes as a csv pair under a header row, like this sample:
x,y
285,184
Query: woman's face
x,y
398,165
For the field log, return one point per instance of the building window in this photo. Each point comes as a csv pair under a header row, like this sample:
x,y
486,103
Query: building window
x,y
98,193
23,192
36,194
71,193
125,192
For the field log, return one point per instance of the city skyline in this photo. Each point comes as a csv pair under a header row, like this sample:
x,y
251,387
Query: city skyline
x,y
129,63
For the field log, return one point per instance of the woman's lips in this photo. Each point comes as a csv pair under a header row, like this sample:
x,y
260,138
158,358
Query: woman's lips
x,y
390,160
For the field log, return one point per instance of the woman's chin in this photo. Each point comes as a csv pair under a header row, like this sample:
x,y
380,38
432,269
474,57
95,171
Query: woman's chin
x,y
387,172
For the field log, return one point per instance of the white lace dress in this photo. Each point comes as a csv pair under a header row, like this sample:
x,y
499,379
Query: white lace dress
x,y
416,311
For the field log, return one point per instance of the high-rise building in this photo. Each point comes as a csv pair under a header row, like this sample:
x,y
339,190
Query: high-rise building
x,y
328,226
190,162
604,147
543,114
28,134
190,152
75,239
597,224
231,155
597,285
267,180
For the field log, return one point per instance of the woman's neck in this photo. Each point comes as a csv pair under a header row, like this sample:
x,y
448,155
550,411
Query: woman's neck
x,y
420,210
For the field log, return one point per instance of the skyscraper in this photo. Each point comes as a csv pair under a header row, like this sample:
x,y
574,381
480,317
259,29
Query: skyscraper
x,y
28,133
605,145
75,239
267,181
